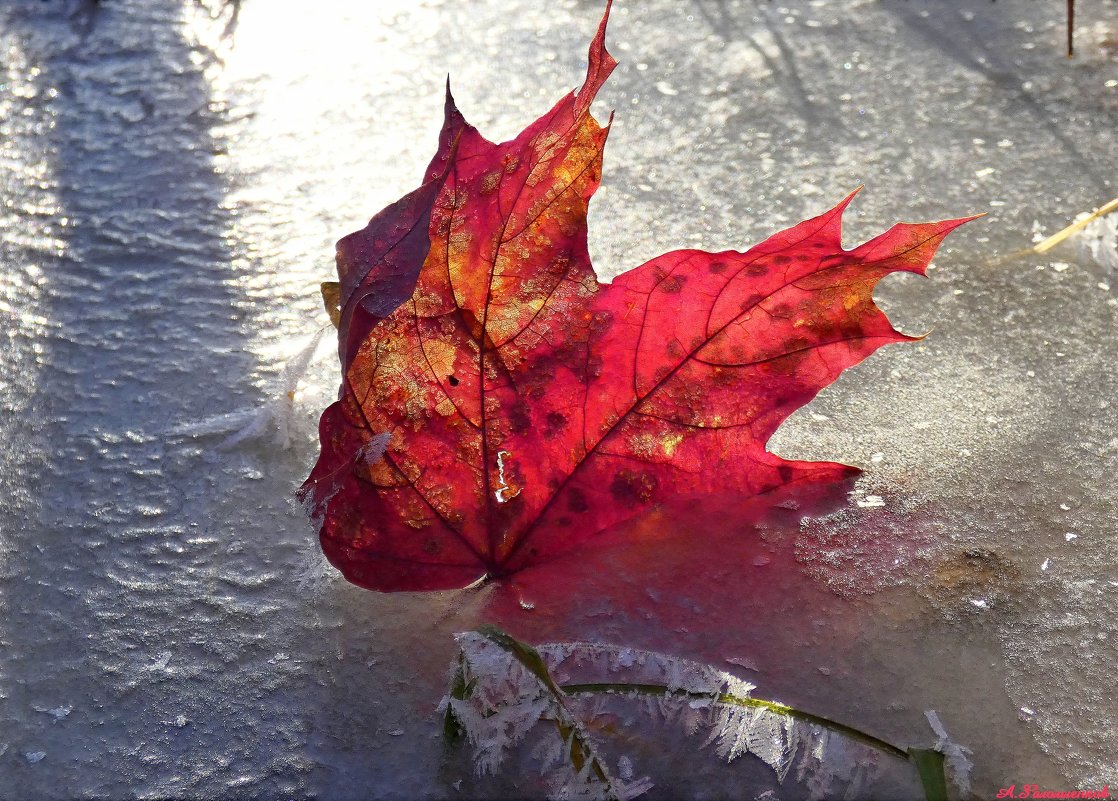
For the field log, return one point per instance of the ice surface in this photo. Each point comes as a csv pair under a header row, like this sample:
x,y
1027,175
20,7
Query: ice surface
x,y
171,200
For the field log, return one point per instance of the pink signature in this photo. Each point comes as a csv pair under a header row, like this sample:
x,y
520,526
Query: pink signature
x,y
1035,791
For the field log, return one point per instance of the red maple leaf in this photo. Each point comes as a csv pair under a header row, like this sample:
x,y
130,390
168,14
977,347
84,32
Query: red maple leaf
x,y
529,407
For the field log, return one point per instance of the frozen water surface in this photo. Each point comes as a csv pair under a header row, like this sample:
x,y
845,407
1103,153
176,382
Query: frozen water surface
x,y
170,202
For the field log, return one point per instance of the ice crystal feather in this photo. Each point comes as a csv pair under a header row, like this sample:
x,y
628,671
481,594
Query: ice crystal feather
x,y
509,697
275,417
507,701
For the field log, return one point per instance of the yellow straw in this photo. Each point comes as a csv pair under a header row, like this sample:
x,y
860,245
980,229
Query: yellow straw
x,y
1057,238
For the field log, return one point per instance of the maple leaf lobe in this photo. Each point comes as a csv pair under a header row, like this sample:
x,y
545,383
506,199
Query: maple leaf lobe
x,y
531,408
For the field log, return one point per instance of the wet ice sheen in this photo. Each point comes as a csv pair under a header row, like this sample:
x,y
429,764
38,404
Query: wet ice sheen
x,y
168,218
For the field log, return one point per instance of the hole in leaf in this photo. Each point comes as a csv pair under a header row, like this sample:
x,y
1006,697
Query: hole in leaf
x,y
452,380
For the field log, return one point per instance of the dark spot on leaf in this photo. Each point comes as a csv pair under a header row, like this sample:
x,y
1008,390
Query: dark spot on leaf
x,y
672,285
571,355
600,322
631,488
850,329
576,500
751,301
431,546
756,269
453,380
556,422
717,267
519,419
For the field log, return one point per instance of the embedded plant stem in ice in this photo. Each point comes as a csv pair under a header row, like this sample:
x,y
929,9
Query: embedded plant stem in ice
x,y
1078,225
502,687
660,690
1095,239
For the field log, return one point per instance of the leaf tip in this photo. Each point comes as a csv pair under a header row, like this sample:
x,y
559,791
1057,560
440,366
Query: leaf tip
x,y
846,201
840,209
605,19
452,116
599,65
945,227
964,220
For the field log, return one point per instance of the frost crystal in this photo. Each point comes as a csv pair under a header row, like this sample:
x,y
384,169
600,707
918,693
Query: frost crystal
x,y
312,572
506,702
275,416
1098,243
506,699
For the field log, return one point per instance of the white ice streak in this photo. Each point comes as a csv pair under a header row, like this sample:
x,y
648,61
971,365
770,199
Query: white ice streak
x,y
504,492
275,417
956,757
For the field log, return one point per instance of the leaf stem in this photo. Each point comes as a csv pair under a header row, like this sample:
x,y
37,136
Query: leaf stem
x,y
737,700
